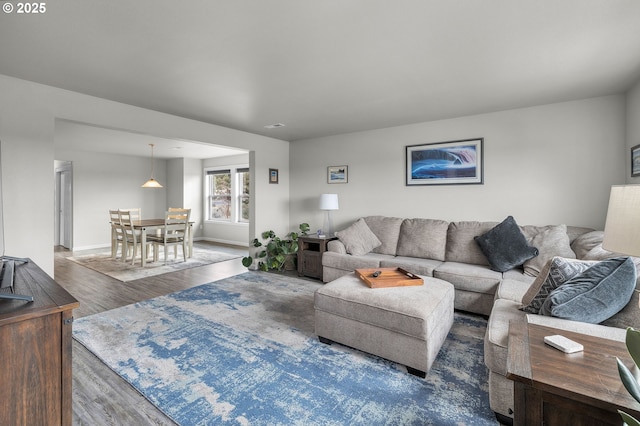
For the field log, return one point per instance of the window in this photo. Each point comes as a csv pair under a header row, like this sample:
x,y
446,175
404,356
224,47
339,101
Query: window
x,y
228,194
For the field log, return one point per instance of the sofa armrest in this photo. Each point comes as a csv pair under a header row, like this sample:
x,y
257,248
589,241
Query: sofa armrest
x,y
336,246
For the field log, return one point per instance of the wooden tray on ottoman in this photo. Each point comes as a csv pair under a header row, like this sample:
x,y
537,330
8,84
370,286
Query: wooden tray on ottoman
x,y
388,277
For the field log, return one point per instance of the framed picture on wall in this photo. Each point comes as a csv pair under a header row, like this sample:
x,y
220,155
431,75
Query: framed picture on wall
x,y
635,161
445,163
273,175
337,174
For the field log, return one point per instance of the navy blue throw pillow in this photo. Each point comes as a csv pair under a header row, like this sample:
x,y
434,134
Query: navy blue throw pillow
x,y
505,246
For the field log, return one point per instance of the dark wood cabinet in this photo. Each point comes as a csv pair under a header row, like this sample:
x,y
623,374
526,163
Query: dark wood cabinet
x,y
310,250
557,389
35,351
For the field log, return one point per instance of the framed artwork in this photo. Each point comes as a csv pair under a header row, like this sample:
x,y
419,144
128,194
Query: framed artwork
x,y
635,161
337,174
445,163
273,175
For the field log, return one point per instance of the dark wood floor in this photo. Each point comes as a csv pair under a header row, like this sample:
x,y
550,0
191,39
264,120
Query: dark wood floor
x,y
101,397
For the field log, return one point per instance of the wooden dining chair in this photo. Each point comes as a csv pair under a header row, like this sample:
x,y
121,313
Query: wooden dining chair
x,y
181,210
117,235
131,236
175,233
135,213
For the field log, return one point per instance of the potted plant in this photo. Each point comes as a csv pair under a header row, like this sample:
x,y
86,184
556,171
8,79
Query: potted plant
x,y
628,378
278,254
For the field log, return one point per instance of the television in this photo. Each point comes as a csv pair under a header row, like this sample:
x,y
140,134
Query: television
x,y
9,263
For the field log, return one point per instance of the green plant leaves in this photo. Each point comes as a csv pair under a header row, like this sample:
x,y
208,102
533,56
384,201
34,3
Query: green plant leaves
x,y
633,344
630,421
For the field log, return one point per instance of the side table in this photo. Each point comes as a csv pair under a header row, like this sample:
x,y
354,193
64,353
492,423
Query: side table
x,y
554,388
310,250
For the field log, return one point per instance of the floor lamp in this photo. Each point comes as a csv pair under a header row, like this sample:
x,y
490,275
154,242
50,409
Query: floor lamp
x,y
622,228
328,202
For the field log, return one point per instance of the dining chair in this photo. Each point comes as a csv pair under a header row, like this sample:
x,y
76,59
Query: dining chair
x,y
174,233
117,235
135,213
131,236
180,210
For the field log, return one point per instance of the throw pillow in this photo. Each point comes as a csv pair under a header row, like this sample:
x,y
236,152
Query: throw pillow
x,y
556,272
629,316
553,241
505,246
594,295
358,238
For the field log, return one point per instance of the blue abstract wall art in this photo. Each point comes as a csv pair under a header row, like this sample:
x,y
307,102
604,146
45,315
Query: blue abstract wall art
x,y
454,162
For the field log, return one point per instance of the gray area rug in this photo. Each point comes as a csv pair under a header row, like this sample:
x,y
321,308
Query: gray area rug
x,y
116,268
243,351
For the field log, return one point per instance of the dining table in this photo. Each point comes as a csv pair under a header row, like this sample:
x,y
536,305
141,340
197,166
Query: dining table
x,y
150,225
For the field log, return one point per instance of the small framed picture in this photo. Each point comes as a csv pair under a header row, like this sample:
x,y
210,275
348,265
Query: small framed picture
x,y
635,161
337,174
273,175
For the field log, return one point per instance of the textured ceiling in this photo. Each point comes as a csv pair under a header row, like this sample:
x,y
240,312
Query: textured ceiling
x,y
327,67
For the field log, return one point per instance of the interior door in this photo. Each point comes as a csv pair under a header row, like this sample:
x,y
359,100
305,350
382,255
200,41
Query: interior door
x,y
64,192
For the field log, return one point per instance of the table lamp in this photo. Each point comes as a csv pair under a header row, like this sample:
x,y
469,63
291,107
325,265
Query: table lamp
x,y
622,228
328,202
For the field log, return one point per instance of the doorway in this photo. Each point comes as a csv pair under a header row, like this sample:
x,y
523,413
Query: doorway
x,y
64,205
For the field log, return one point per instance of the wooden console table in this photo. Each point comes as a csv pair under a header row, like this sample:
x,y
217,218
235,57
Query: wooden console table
x,y
554,388
35,351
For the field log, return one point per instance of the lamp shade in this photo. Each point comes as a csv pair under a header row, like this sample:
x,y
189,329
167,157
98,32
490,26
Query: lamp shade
x,y
622,228
329,202
151,183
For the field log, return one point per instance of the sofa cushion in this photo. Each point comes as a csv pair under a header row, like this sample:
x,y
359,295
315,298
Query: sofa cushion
x,y
466,277
351,263
496,339
415,265
461,246
595,294
585,242
358,238
514,290
425,238
505,246
550,242
387,229
556,272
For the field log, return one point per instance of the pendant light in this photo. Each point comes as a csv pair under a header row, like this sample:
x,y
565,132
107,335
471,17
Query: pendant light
x,y
151,183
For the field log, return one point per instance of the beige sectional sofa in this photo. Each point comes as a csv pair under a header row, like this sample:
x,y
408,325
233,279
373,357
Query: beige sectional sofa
x,y
449,251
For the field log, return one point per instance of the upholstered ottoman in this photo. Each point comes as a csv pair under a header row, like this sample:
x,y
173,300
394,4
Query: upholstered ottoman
x,y
406,325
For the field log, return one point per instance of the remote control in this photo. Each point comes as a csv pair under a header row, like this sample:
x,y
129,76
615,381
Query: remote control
x,y
562,343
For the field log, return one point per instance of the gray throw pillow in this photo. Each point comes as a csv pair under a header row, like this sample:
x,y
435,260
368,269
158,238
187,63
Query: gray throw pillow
x,y
553,241
594,295
358,239
505,246
556,272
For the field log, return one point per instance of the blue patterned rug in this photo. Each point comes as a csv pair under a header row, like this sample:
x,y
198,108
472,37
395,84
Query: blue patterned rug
x,y
243,351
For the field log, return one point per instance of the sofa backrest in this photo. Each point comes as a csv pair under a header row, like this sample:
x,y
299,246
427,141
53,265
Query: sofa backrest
x,y
424,238
387,229
461,247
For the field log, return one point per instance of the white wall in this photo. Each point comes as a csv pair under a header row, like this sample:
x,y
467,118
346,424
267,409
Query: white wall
x,y
193,194
229,233
105,181
550,164
175,174
633,127
27,127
